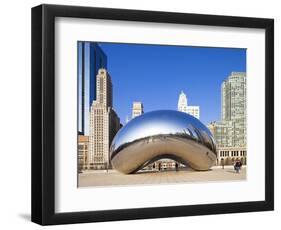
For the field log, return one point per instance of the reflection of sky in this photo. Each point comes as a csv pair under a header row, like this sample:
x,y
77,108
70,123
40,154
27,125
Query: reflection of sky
x,y
155,75
160,122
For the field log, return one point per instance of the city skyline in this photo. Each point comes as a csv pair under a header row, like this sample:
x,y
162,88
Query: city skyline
x,y
160,73
138,69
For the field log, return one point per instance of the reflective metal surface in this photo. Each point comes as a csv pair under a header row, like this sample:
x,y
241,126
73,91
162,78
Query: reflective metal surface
x,y
162,134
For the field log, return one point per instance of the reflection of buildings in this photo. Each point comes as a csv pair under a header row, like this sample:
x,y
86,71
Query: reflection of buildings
x,y
104,123
163,135
137,109
83,146
231,131
90,59
183,106
163,164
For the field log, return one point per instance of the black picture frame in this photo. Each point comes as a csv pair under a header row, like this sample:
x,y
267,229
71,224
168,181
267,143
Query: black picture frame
x,y
43,114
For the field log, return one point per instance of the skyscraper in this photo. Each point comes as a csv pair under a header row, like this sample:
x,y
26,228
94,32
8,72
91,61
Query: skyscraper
x,y
137,109
182,102
233,93
183,106
231,130
90,59
104,123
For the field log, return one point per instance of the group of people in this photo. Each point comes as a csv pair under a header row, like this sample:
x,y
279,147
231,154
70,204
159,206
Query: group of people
x,y
237,165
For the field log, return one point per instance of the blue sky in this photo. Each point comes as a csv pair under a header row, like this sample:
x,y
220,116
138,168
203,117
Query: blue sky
x,y
155,75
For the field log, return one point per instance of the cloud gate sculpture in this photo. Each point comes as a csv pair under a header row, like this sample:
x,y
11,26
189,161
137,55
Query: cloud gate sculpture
x,y
162,134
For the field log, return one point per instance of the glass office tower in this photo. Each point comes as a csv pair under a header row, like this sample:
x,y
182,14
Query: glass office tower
x,y
90,59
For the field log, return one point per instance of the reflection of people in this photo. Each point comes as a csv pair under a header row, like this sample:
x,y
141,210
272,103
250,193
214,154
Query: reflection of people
x,y
177,166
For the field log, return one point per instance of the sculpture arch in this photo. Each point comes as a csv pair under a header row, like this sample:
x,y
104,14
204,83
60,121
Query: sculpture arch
x,y
161,134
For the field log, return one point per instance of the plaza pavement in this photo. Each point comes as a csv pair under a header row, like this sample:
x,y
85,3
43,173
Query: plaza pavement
x,y
114,178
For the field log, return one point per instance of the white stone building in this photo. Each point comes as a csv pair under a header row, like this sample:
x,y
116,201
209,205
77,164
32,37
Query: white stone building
x,y
228,155
137,109
104,123
184,107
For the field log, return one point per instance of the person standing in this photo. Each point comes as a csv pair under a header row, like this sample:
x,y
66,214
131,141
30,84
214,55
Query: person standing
x,y
176,166
159,166
237,166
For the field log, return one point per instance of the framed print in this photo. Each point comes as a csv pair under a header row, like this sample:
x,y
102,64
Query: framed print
x,y
142,114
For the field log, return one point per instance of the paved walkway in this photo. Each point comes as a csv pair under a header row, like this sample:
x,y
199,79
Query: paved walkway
x,y
113,178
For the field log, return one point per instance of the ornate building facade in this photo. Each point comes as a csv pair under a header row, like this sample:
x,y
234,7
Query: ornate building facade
x,y
184,107
104,123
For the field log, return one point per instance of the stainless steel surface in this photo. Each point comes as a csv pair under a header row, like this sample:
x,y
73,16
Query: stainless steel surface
x,y
162,134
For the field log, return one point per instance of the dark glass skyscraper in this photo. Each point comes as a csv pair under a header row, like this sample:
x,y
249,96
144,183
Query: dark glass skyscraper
x,y
90,59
